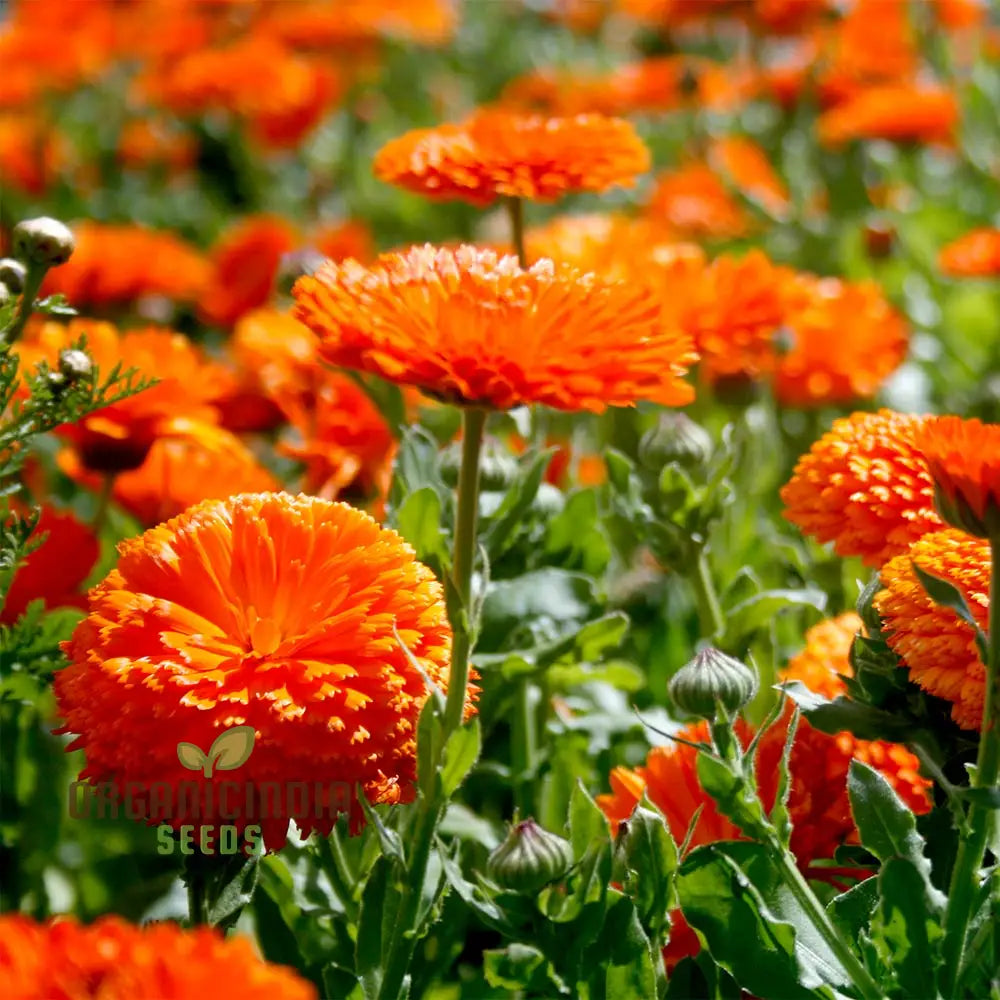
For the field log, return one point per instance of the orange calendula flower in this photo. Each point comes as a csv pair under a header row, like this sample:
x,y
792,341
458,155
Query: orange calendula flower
x,y
842,340
496,153
747,168
115,960
898,112
286,614
695,203
54,571
474,328
938,647
119,436
964,461
196,462
117,265
974,255
32,153
245,262
865,486
148,143
281,94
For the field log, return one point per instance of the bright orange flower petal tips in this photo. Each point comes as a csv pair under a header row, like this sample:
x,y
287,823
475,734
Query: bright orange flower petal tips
x,y
498,153
897,112
115,960
472,327
964,461
278,612
864,486
974,255
937,646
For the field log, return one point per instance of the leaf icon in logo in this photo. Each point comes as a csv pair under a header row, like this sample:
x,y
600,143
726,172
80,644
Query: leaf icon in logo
x,y
230,749
191,756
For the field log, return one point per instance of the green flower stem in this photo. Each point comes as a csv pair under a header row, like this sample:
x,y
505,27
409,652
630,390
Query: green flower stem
x,y
32,284
430,810
806,898
515,212
197,903
709,609
474,423
338,871
965,875
524,747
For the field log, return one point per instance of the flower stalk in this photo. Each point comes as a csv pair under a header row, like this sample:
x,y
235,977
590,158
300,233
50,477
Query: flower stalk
x,y
981,818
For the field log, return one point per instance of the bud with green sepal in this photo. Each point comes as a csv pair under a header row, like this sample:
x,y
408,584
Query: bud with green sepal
x,y
712,683
43,241
675,438
529,859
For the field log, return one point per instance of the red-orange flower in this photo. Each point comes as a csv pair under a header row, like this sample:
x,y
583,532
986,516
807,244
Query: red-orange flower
x,y
146,142
281,94
898,112
843,340
938,647
974,255
748,169
497,153
964,461
245,262
54,571
197,461
471,327
865,487
115,960
282,613
119,436
116,265
32,153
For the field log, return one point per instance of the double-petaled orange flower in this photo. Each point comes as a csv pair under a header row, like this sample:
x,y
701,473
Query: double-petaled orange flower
x,y
964,461
32,153
474,328
117,265
115,960
746,166
118,437
865,486
498,153
695,203
286,614
898,112
974,255
938,647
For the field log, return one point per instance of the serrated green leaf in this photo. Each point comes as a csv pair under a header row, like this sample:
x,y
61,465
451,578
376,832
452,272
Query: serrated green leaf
x,y
379,902
460,755
419,521
650,858
734,796
587,823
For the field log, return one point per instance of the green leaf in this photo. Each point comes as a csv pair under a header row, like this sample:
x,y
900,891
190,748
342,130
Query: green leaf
x,y
379,902
745,937
905,930
948,595
734,795
852,910
780,817
499,531
755,612
521,967
887,827
586,822
389,839
650,858
843,714
230,898
419,521
628,968
460,755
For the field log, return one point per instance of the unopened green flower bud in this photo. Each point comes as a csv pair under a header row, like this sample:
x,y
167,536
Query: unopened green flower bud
x,y
675,438
529,859
12,274
710,682
74,364
43,241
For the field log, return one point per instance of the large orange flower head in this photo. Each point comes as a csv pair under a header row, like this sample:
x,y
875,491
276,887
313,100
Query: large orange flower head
x,y
472,327
115,960
118,437
496,153
695,202
897,112
974,255
939,648
281,613
964,461
118,265
864,486
844,339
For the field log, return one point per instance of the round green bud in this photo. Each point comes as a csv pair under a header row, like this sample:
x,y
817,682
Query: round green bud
x,y
497,467
43,241
529,859
74,364
675,438
710,682
12,274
